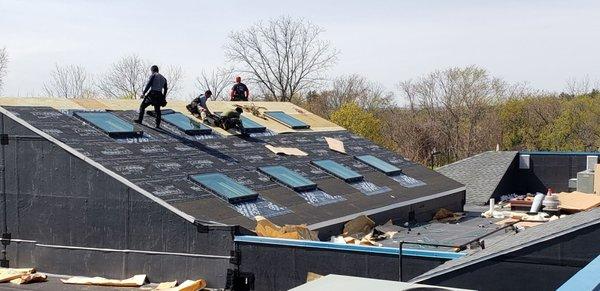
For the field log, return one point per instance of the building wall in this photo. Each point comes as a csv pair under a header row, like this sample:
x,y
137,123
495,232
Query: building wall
x,y
75,219
543,266
550,170
278,267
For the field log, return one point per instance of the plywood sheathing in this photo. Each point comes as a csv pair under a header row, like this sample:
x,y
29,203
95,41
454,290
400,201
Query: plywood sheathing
x,y
316,123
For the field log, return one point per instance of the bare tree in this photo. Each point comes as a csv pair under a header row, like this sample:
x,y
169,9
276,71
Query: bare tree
x,y
125,79
173,74
129,75
356,88
283,56
575,87
457,104
217,81
3,66
70,81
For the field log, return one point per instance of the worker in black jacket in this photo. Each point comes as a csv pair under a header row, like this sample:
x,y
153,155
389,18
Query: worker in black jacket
x,y
157,85
231,119
239,91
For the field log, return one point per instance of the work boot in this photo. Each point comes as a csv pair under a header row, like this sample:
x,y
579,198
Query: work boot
x,y
137,121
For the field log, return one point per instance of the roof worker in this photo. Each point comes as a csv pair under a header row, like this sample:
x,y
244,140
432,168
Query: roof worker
x,y
157,84
198,106
232,119
239,91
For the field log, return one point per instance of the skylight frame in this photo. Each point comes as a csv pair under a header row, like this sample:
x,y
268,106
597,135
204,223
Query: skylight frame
x,y
289,178
338,170
287,120
379,165
197,127
218,183
121,128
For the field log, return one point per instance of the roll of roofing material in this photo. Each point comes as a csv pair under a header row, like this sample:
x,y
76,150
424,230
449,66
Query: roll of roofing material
x,y
537,202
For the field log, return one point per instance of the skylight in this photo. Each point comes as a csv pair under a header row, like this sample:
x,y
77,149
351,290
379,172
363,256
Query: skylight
x,y
186,124
225,187
110,124
289,178
287,120
379,164
338,170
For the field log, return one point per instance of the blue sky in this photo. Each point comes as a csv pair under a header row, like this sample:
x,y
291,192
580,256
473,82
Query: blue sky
x,y
540,42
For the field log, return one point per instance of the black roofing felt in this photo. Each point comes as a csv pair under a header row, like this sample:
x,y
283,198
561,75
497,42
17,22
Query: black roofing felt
x,y
480,173
162,161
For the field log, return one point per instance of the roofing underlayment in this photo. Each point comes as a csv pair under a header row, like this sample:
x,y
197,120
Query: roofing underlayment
x,y
514,242
172,166
480,173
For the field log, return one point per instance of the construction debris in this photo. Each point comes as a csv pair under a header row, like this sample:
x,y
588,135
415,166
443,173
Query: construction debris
x,y
358,227
335,145
135,281
266,228
445,215
30,278
310,276
8,274
166,285
286,151
188,285
255,110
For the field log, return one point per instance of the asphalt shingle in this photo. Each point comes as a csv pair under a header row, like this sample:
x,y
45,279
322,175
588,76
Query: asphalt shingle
x,y
480,173
523,239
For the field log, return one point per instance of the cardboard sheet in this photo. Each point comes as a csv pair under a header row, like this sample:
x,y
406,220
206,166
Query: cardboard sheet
x,y
286,151
166,285
335,145
8,274
578,201
310,276
135,281
188,285
359,226
30,278
266,228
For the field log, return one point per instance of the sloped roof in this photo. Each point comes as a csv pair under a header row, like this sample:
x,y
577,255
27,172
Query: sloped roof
x,y
480,173
518,241
162,161
316,123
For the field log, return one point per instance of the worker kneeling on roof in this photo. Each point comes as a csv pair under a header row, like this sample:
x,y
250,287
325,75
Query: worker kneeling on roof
x,y
231,119
198,106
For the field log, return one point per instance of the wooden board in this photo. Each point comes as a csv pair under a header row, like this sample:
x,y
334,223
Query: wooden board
x,y
578,201
316,122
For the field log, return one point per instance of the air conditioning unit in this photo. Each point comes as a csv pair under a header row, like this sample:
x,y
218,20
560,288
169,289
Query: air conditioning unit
x,y
585,181
572,184
591,162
